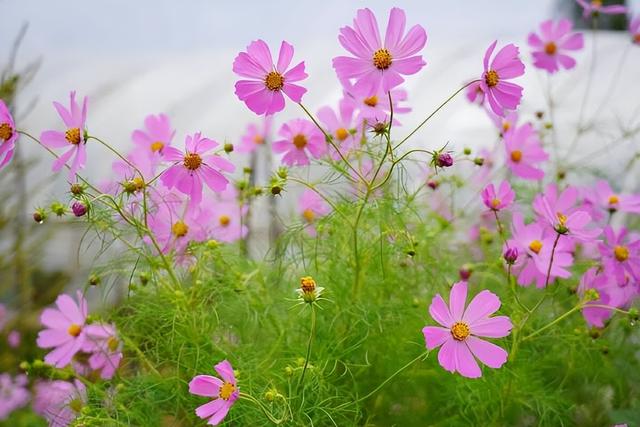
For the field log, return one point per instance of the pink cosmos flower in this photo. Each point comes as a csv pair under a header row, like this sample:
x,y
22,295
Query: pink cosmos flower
x,y
301,138
226,217
256,136
73,138
524,151
634,29
562,216
14,338
620,254
461,328
375,108
595,7
8,134
593,279
64,329
605,198
504,124
194,166
225,392
499,200
105,348
474,93
505,65
377,65
60,402
14,394
312,206
263,92
340,125
156,135
551,47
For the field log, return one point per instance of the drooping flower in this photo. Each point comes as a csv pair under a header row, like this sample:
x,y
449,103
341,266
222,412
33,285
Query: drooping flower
x,y
300,138
499,200
461,328
595,7
346,133
634,29
255,136
262,93
224,392
524,152
474,93
312,206
105,348
506,65
195,166
377,65
59,402
620,255
552,46
156,135
8,134
73,138
13,394
64,329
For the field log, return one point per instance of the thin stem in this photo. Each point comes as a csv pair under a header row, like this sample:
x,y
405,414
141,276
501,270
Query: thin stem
x,y
264,410
500,228
550,324
312,334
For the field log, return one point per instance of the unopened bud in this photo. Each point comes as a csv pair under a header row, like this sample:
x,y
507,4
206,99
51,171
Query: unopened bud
x,y
77,189
433,184
275,190
510,255
282,172
79,209
94,280
39,215
465,272
228,148
467,151
479,161
444,160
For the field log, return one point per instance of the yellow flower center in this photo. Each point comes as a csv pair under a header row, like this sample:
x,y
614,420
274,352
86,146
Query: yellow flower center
x,y
308,215
596,3
342,134
460,331
74,330
192,161
73,136
535,246
562,218
112,343
138,183
258,139
516,156
505,126
372,101
300,141
157,146
180,229
75,405
6,131
495,203
550,48
491,78
307,284
226,391
613,199
224,220
621,253
274,81
382,59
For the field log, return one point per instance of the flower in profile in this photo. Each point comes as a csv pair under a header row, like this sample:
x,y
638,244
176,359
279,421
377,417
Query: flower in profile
x,y
562,216
341,126
498,200
551,47
73,138
255,136
301,138
156,135
105,348
14,394
461,328
312,206
262,93
224,392
595,7
195,166
377,65
474,93
524,151
64,329
59,402
634,29
8,134
309,292
506,65
620,255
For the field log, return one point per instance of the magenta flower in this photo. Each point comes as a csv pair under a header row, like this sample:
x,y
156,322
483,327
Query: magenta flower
x,y
594,7
194,166
634,29
591,279
14,394
256,136
552,46
499,200
8,135
377,65
225,392
505,65
340,125
620,255
312,206
474,93
64,329
73,138
263,92
461,329
105,348
156,135
524,151
301,138
60,402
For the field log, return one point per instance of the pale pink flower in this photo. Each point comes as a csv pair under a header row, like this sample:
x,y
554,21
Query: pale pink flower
x,y
594,7
506,65
256,135
156,135
376,108
524,151
226,217
552,47
300,138
105,348
8,134
603,197
634,29
13,394
474,93
504,124
346,132
59,402
559,213
224,392
461,328
498,200
14,338
312,206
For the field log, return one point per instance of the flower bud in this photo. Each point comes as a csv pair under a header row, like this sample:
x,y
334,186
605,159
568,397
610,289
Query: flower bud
x,y
39,215
444,160
228,148
77,189
465,272
58,208
308,290
591,295
433,184
467,151
282,172
479,161
380,128
276,189
510,255
247,170
634,314
94,280
79,208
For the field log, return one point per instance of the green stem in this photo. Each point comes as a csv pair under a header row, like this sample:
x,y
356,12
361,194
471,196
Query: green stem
x,y
550,324
264,410
312,334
